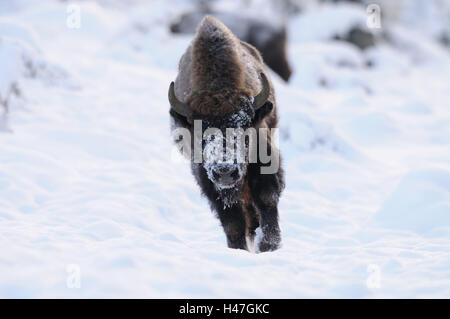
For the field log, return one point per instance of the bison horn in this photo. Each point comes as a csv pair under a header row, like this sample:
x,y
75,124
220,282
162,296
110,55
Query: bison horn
x,y
178,106
262,97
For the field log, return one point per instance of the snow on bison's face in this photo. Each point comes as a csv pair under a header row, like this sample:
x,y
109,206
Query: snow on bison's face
x,y
227,142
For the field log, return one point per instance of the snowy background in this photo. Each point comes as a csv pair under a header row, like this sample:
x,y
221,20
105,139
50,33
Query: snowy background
x,y
92,203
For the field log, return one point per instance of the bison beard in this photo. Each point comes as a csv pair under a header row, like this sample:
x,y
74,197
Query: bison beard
x,y
222,81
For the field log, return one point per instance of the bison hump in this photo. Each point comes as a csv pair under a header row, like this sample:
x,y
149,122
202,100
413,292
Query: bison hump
x,y
215,56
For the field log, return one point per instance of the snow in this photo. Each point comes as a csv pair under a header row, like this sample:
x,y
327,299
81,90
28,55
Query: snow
x,y
88,187
340,18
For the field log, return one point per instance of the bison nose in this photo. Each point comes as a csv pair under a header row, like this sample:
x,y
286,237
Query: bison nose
x,y
226,174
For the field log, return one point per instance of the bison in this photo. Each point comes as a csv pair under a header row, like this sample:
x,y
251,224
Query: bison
x,y
222,86
269,38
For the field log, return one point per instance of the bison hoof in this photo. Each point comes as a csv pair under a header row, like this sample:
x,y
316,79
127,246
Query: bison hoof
x,y
269,239
269,243
237,243
268,246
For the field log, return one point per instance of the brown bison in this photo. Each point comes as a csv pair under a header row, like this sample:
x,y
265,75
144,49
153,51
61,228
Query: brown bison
x,y
222,87
269,38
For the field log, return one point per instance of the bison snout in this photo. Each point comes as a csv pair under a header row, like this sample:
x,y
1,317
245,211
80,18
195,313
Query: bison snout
x,y
226,174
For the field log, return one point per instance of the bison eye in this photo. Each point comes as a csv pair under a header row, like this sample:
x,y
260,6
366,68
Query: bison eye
x,y
262,112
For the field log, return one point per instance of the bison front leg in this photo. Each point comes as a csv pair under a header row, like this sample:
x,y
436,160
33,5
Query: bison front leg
x,y
265,191
233,223
271,235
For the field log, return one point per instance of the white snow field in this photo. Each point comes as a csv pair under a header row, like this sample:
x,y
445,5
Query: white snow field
x,y
94,204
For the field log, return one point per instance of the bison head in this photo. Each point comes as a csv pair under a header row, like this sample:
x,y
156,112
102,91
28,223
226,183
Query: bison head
x,y
226,136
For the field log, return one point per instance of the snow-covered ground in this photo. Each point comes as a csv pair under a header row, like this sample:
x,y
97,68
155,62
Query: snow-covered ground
x,y
93,204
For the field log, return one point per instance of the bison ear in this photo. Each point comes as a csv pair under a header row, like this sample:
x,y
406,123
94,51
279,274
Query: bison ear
x,y
262,112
